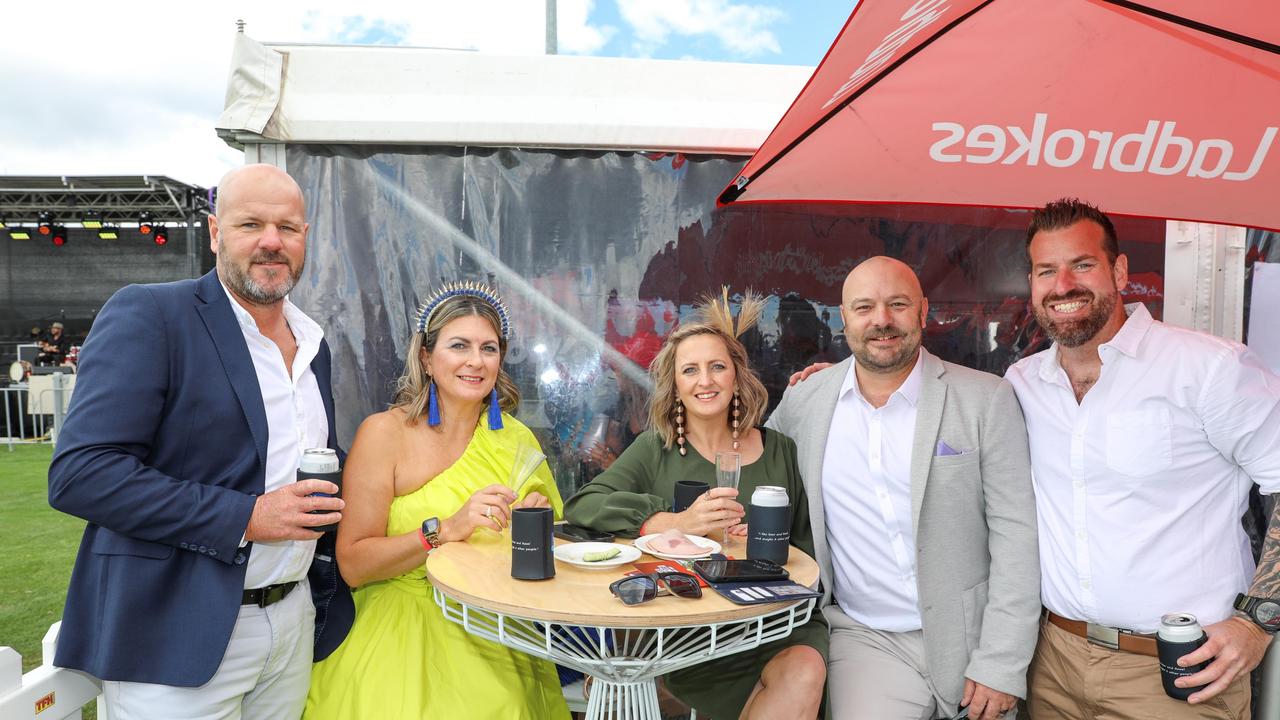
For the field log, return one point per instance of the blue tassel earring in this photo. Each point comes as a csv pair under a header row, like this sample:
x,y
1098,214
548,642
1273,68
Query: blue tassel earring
x,y
495,411
433,406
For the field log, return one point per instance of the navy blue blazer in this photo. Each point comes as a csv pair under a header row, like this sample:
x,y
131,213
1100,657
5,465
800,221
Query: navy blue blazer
x,y
163,452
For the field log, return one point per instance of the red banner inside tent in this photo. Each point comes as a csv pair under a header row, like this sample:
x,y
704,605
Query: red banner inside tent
x,y
1165,108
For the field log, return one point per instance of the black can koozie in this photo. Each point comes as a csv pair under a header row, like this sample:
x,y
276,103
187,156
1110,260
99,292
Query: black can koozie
x,y
321,464
769,524
531,544
1179,634
686,493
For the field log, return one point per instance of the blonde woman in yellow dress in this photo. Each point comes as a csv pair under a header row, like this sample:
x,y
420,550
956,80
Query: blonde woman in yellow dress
x,y
430,471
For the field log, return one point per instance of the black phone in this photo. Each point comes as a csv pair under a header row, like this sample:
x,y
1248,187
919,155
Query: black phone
x,y
577,533
717,571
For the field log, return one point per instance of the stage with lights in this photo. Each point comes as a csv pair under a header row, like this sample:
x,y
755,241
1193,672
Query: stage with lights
x,y
70,242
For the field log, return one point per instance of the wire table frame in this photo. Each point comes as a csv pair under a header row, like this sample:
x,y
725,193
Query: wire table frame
x,y
580,626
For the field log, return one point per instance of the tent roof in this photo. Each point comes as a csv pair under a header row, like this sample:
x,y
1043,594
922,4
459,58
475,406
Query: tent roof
x,y
361,94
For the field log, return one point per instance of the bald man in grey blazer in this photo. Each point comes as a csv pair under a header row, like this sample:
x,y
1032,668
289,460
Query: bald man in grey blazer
x,y
924,523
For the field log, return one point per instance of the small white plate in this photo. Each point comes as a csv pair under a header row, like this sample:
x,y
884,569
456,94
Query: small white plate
x,y
708,545
572,553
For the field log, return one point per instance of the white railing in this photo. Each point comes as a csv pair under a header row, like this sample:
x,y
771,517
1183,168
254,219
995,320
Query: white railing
x,y
38,406
47,692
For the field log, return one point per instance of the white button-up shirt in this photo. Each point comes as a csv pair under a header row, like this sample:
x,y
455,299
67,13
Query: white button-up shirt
x,y
295,421
1141,486
866,497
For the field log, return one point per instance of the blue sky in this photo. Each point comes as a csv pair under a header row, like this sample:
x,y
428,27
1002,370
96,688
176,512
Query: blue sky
x,y
794,33
804,30
117,93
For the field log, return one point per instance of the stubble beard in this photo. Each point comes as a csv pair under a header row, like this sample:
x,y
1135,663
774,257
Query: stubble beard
x,y
244,285
899,360
1074,333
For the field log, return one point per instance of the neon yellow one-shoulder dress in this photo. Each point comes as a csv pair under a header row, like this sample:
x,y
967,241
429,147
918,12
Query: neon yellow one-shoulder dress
x,y
402,658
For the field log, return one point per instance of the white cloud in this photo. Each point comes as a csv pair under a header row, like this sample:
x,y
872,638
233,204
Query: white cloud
x,y
741,29
88,87
575,34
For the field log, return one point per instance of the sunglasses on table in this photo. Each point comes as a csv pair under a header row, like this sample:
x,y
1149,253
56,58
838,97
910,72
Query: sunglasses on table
x,y
643,588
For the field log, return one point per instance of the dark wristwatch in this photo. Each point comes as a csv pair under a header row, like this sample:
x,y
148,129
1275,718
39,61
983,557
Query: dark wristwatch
x,y
1265,612
431,533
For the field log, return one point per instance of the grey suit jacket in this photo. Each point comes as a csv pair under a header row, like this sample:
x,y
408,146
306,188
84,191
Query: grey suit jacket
x,y
977,560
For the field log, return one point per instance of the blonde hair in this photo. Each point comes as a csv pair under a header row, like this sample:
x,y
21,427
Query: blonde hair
x,y
412,386
713,316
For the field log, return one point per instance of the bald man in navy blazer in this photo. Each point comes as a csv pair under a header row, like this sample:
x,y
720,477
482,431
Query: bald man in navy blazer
x,y
194,402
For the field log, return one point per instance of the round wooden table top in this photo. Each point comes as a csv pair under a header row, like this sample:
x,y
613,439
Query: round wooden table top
x,y
478,573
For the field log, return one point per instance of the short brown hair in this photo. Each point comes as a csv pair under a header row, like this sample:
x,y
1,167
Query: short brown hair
x,y
1064,213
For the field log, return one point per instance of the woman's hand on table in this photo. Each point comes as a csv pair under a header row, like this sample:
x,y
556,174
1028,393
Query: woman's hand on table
x,y
486,508
534,500
715,509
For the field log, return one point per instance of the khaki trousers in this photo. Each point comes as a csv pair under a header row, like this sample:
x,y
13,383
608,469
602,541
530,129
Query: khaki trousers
x,y
1072,678
878,675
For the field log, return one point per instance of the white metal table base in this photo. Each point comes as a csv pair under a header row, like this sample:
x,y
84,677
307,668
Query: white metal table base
x,y
625,660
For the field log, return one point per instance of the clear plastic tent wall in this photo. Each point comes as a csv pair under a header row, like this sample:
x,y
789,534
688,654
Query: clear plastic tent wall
x,y
600,254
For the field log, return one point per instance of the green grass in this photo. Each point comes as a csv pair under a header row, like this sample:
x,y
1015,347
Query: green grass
x,y
39,549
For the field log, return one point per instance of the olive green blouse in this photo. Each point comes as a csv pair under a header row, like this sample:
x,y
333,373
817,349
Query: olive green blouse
x,y
641,482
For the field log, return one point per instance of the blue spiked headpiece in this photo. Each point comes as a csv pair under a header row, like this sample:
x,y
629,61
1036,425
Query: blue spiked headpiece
x,y
484,292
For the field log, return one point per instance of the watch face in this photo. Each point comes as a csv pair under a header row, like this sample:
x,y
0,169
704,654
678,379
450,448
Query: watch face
x,y
1268,613
431,526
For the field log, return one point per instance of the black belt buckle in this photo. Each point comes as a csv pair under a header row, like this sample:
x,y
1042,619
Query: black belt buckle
x,y
269,595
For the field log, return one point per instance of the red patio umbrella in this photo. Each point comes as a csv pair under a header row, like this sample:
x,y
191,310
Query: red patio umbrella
x,y
1167,108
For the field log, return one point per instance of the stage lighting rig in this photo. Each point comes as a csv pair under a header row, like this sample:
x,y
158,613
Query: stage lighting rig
x,y
45,225
19,233
59,235
161,234
145,223
109,231
91,219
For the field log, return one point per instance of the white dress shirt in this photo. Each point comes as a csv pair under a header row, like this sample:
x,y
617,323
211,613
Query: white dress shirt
x,y
1141,486
295,421
866,497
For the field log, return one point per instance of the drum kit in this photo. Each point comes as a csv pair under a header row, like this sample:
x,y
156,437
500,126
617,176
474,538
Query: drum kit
x,y
19,371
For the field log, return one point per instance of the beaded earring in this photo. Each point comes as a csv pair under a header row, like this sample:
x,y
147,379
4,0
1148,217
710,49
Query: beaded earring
x,y
680,426
495,411
433,406
736,415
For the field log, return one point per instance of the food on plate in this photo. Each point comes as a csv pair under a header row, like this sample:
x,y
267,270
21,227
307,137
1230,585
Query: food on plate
x,y
675,542
601,555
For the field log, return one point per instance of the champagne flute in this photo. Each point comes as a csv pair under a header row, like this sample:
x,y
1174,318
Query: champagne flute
x,y
728,471
527,460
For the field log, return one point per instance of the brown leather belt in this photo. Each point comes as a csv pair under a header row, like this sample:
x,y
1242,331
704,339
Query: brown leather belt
x,y
1107,637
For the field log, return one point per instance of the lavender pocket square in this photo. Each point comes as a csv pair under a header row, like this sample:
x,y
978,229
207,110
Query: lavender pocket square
x,y
945,450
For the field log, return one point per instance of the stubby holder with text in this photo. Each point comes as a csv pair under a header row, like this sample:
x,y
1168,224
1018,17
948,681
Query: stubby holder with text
x,y
1179,634
531,543
769,524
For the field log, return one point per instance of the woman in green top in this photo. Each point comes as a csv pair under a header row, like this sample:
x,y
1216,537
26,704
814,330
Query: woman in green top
x,y
705,400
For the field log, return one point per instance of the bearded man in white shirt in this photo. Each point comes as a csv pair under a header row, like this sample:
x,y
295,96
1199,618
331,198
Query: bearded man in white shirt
x,y
1145,442
919,492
